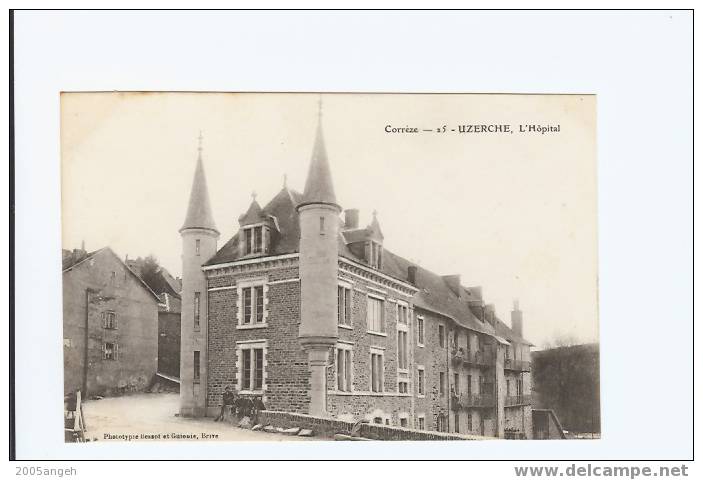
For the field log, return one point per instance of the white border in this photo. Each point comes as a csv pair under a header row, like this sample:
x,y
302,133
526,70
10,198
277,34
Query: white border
x,y
639,64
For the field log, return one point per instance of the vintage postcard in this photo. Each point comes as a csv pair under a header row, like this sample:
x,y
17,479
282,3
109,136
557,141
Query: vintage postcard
x,y
329,266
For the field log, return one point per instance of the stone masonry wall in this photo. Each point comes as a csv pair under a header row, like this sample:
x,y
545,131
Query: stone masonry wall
x,y
434,359
286,373
390,404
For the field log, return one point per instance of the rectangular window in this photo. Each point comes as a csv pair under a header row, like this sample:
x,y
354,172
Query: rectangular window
x,y
246,292
519,387
402,386
420,381
456,339
404,422
246,378
456,423
468,384
421,423
258,240
248,241
258,354
441,336
259,295
469,421
468,343
109,351
109,320
196,311
343,305
374,315
402,350
420,331
196,366
197,246
253,300
344,369
456,383
376,372
403,314
486,388
441,423
442,385
252,369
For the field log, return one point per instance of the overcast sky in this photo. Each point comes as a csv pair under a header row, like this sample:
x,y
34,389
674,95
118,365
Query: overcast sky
x,y
514,213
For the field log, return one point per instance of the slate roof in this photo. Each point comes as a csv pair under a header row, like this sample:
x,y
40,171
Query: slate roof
x,y
161,283
318,186
254,215
68,260
68,266
287,239
199,212
434,293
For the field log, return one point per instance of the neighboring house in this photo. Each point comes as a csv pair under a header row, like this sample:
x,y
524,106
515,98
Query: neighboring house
x,y
313,313
567,380
109,325
168,289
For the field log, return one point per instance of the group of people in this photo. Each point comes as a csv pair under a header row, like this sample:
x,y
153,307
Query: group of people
x,y
240,405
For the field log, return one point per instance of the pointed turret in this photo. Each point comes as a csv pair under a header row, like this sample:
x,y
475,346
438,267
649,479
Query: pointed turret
x,y
318,271
199,243
199,212
318,186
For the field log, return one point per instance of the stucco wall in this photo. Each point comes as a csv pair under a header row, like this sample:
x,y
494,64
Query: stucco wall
x,y
137,333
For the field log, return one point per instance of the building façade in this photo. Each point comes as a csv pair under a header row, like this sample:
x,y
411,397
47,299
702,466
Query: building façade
x,y
312,312
110,325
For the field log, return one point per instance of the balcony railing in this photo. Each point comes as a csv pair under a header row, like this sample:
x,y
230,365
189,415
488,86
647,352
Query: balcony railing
x,y
484,358
458,355
518,365
466,400
515,400
481,358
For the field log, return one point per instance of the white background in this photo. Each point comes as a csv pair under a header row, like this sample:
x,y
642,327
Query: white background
x,y
638,63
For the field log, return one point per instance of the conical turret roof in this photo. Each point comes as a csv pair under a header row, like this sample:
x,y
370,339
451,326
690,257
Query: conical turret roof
x,y
199,212
318,186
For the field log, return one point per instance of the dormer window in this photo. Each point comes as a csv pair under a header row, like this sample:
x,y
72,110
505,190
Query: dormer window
x,y
375,255
253,240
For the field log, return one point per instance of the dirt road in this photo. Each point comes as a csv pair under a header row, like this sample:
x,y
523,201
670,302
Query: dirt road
x,y
151,417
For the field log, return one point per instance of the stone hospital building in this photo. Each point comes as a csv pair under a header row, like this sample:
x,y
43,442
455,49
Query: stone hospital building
x,y
310,310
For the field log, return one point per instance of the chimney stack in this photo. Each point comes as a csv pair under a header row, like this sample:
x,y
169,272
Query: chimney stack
x,y
351,218
79,254
490,310
412,274
516,318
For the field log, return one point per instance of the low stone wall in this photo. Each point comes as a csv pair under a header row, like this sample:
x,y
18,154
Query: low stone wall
x,y
327,427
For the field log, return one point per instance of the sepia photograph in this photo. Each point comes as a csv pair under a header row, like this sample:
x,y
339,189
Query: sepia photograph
x,y
329,266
